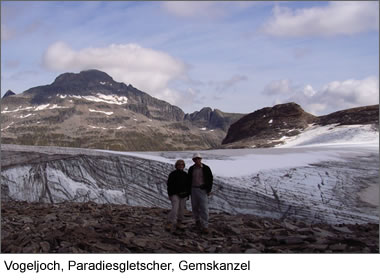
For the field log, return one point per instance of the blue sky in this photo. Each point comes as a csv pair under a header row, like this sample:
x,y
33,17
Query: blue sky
x,y
234,56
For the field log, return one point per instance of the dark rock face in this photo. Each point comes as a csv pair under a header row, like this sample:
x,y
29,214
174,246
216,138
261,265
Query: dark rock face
x,y
95,228
91,82
9,93
84,79
359,115
268,123
203,116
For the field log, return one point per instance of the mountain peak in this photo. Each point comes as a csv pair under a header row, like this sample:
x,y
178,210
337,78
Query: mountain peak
x,y
86,78
9,93
269,122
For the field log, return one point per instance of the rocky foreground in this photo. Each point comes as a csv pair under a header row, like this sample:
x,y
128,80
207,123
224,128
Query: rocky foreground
x,y
106,228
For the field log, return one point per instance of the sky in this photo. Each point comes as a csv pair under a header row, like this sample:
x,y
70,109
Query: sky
x,y
230,55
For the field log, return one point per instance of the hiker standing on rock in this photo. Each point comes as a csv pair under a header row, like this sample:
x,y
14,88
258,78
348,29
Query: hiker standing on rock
x,y
178,191
201,180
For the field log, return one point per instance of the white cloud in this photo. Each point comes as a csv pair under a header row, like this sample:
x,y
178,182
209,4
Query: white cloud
x,y
334,19
309,91
334,96
280,87
351,92
146,69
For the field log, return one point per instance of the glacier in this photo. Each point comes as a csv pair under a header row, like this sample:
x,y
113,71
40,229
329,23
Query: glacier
x,y
323,175
313,184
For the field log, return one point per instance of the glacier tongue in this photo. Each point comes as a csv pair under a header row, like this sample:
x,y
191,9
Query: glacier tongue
x,y
322,192
85,177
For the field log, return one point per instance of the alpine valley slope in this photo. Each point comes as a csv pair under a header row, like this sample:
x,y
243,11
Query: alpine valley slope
x,y
91,110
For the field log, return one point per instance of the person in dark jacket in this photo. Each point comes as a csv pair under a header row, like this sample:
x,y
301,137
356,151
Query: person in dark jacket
x,y
178,191
200,181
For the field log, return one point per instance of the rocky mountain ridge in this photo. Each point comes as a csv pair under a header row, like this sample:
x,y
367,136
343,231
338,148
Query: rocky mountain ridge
x,y
90,82
212,119
268,127
91,110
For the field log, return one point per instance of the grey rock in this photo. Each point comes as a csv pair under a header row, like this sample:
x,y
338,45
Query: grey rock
x,y
26,220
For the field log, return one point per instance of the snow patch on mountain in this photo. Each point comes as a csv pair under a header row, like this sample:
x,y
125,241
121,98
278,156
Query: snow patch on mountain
x,y
8,126
34,108
97,127
25,116
99,97
333,134
42,107
102,112
55,106
20,108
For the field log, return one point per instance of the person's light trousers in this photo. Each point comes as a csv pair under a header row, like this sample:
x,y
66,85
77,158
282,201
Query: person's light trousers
x,y
199,205
178,208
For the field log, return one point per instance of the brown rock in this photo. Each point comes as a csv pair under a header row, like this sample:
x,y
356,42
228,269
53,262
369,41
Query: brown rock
x,y
31,248
50,217
45,247
342,229
318,247
128,229
338,247
252,251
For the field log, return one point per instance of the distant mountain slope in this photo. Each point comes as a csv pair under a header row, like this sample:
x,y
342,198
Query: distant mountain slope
x,y
273,126
211,119
359,115
269,123
91,110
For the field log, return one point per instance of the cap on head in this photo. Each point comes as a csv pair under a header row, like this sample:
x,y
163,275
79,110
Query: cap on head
x,y
197,155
